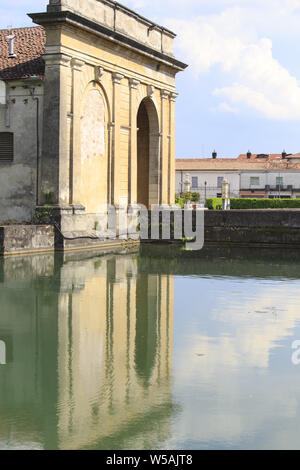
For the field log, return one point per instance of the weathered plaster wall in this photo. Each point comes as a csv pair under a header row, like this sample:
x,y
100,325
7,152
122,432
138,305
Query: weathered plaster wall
x,y
15,239
92,188
18,178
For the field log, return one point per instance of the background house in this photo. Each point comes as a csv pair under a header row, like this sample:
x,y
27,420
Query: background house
x,y
249,175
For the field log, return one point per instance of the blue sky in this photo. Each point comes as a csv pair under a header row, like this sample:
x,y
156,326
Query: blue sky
x,y
242,88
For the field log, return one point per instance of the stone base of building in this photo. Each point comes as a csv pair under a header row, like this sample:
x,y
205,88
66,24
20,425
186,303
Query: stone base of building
x,y
23,239
61,228
30,239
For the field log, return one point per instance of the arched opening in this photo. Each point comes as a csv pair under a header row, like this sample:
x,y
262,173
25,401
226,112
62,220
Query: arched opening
x,y
147,154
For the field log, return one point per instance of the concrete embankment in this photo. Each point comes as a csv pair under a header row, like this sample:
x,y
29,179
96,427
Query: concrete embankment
x,y
27,239
235,227
261,227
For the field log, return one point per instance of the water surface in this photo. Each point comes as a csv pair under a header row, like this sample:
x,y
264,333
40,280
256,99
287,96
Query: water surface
x,y
150,349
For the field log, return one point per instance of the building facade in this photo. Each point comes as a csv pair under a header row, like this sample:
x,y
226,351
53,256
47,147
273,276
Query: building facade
x,y
91,121
257,176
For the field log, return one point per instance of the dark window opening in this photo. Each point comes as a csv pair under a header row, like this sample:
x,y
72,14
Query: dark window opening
x,y
6,147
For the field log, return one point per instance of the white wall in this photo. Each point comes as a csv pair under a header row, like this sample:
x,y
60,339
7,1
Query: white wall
x,y
290,177
239,180
211,177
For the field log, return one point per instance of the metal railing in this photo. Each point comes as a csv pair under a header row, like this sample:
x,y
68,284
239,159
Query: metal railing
x,y
212,191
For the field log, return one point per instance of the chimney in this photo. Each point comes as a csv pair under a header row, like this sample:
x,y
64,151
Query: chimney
x,y
214,154
249,154
284,155
11,38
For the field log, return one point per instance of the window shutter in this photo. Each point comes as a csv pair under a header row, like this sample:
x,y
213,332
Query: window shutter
x,y
6,147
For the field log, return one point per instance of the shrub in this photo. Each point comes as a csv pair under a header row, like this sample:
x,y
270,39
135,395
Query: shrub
x,y
265,203
190,197
214,203
243,203
179,201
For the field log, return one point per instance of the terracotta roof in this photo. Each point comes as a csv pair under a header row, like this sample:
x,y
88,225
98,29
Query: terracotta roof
x,y
29,45
258,156
234,164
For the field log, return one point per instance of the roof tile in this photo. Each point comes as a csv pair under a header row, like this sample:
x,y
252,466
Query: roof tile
x,y
29,45
234,164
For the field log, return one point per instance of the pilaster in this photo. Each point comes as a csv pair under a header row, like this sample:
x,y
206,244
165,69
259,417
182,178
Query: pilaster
x,y
132,164
164,165
115,158
55,164
172,189
77,66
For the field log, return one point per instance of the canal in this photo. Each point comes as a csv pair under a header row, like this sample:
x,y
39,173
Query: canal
x,y
150,348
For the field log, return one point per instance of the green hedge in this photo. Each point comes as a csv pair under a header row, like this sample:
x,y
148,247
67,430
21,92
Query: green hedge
x,y
214,203
243,203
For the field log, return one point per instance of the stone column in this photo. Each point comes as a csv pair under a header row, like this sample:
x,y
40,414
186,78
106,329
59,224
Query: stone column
x,y
164,170
75,128
115,158
55,164
132,164
172,188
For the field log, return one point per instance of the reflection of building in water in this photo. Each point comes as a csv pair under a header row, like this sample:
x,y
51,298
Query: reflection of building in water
x,y
115,351
97,338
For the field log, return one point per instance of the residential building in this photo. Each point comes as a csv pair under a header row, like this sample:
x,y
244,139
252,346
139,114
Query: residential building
x,y
249,175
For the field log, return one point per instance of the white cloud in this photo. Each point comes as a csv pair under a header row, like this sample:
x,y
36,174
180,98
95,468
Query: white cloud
x,y
236,36
259,80
233,35
225,107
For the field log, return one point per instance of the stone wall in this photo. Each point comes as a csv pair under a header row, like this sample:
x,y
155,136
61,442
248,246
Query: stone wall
x,y
16,239
280,227
247,227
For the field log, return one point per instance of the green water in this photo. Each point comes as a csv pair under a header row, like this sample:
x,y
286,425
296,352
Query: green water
x,y
150,349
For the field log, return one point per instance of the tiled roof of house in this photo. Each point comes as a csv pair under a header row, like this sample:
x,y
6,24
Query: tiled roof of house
x,y
29,45
260,156
235,164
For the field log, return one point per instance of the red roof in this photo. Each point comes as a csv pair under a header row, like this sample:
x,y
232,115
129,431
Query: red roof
x,y
260,156
240,163
29,45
